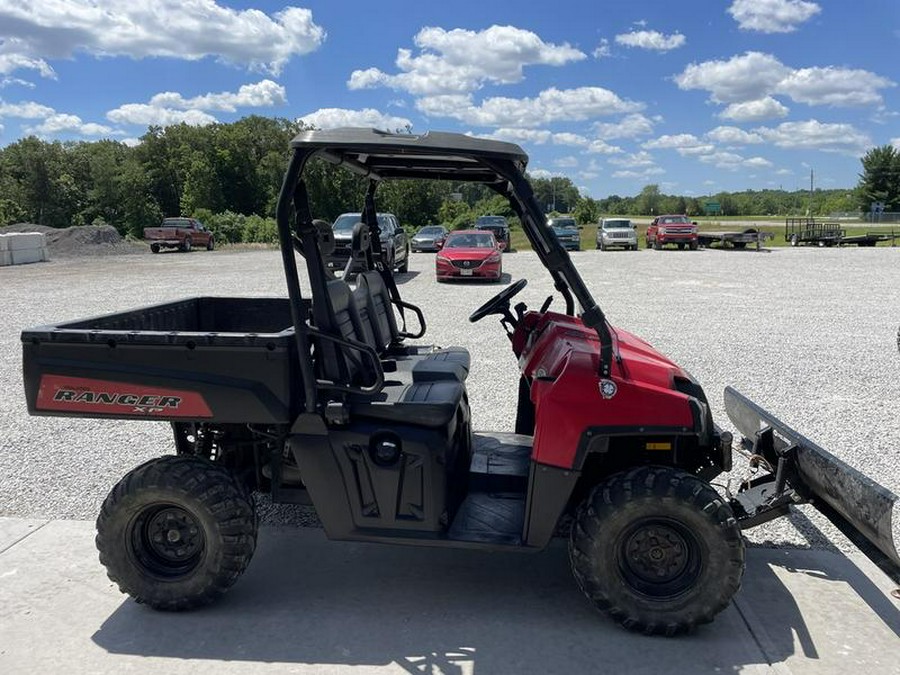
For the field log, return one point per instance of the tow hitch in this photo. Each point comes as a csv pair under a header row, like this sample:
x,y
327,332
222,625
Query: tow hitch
x,y
803,473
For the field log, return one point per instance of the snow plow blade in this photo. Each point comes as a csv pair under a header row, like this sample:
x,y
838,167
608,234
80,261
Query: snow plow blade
x,y
802,472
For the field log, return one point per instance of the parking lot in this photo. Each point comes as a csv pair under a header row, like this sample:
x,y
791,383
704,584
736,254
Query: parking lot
x,y
809,334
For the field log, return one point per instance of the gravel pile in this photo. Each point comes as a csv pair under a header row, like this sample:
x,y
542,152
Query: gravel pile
x,y
80,241
808,333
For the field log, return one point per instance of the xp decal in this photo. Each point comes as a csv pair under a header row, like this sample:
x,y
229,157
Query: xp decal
x,y
76,394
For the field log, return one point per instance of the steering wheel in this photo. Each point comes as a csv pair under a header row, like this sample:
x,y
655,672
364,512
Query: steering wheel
x,y
499,304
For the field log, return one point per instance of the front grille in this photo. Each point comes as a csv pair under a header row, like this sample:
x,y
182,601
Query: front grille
x,y
619,235
467,264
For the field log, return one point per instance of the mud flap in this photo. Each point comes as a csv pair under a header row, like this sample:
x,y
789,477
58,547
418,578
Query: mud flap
x,y
805,473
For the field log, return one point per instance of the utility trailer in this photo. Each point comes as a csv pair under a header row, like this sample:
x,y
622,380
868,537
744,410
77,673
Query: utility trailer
x,y
323,398
799,231
739,240
870,238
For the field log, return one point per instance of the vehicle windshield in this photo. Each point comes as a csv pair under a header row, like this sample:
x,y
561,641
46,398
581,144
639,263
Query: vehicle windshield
x,y
346,221
563,222
431,231
609,224
470,240
176,222
675,220
481,221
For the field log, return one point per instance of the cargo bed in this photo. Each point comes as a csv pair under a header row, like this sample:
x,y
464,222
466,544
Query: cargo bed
x,y
212,359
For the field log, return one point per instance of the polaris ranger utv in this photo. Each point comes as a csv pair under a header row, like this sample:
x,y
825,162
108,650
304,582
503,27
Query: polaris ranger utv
x,y
320,398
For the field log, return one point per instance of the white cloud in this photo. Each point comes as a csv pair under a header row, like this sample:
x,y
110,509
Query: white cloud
x,y
724,160
733,136
567,138
651,39
753,77
28,110
17,81
646,173
61,123
183,29
815,135
634,160
602,50
142,114
463,60
834,86
330,118
741,78
601,147
541,173
631,126
263,94
784,172
12,60
757,162
551,105
684,144
535,136
772,16
568,162
896,142
766,108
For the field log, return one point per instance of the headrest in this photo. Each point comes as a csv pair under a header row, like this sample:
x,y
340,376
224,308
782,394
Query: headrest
x,y
359,241
324,236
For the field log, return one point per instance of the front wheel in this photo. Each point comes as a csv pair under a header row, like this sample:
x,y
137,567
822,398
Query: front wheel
x,y
657,549
210,244
154,248
404,267
176,532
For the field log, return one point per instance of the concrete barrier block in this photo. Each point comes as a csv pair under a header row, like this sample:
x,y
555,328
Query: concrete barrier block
x,y
5,258
18,241
4,244
26,255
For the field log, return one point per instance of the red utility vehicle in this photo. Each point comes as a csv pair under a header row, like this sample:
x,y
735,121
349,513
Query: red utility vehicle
x,y
678,230
180,233
469,254
323,400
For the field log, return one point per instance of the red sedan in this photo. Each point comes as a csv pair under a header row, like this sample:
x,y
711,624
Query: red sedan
x,y
469,254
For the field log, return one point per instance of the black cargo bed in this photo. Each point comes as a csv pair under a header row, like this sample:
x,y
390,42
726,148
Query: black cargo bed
x,y
213,359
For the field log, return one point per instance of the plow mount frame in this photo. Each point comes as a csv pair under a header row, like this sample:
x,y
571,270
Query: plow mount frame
x,y
804,473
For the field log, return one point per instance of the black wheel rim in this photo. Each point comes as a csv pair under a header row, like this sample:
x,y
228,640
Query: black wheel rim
x,y
659,558
167,541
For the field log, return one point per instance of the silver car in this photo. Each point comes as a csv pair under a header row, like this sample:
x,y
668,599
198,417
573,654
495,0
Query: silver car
x,y
617,232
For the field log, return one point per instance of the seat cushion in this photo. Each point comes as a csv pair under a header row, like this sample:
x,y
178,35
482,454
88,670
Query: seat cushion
x,y
457,355
427,404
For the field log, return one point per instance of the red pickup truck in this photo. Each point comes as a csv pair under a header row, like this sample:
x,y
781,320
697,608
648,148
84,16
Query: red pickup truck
x,y
180,233
672,229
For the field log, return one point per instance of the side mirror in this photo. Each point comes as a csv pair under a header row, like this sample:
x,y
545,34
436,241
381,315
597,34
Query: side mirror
x,y
693,222
581,227
439,244
634,226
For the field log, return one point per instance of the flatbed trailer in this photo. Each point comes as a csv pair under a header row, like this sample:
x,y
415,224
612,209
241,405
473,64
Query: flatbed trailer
x,y
737,240
870,238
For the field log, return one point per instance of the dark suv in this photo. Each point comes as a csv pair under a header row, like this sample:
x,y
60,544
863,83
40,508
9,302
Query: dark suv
x,y
498,226
394,241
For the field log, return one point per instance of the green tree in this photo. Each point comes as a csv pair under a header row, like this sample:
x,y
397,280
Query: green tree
x,y
880,179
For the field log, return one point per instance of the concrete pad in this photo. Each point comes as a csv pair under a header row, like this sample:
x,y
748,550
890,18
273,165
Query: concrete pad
x,y
820,612
307,605
13,530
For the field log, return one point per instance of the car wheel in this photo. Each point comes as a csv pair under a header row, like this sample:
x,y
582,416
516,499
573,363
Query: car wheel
x,y
656,245
657,549
176,532
694,246
795,240
154,248
186,245
404,266
210,245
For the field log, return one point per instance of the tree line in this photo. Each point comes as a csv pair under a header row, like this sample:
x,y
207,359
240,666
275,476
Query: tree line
x,y
228,176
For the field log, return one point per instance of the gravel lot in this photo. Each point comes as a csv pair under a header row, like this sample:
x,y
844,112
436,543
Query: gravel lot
x,y
808,333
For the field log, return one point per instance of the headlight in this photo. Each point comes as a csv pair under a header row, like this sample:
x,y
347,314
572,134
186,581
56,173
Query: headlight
x,y
494,257
442,259
661,230
694,230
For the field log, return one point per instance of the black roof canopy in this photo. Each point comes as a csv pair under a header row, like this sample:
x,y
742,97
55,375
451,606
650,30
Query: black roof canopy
x,y
434,155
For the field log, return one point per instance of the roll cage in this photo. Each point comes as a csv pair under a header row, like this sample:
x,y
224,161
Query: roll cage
x,y
379,155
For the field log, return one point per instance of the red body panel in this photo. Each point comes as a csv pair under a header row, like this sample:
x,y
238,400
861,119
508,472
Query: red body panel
x,y
562,357
78,394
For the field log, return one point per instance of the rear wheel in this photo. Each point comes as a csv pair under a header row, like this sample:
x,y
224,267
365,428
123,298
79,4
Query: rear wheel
x,y
210,245
657,550
154,248
176,532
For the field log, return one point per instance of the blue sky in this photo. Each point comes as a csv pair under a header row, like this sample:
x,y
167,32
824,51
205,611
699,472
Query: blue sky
x,y
697,96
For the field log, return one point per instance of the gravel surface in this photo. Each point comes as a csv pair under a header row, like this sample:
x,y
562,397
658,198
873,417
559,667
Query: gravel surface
x,y
808,333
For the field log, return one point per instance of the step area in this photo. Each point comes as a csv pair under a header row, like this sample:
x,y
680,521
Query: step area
x,y
494,510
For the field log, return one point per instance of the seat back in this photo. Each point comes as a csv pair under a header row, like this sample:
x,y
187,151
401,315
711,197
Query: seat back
x,y
380,308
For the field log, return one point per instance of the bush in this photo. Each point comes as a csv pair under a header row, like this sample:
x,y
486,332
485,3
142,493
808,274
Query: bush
x,y
259,230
